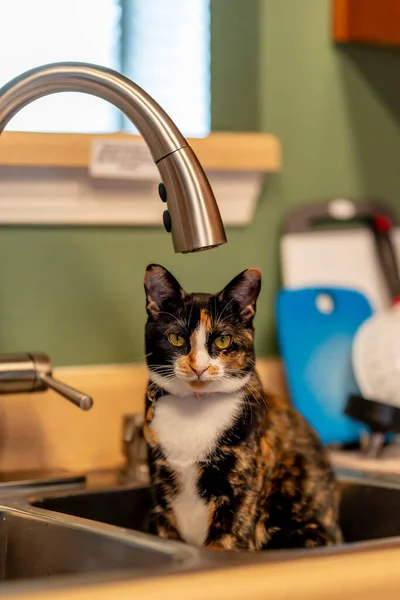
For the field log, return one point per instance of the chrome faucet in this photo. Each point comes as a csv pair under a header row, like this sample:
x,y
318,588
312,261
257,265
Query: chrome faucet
x,y
134,448
21,373
192,216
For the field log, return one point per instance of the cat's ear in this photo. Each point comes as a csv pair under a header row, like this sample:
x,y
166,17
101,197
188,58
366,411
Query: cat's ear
x,y
243,290
161,289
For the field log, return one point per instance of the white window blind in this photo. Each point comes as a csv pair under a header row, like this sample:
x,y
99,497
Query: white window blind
x,y
163,45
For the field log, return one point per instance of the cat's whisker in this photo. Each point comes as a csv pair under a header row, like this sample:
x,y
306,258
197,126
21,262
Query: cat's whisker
x,y
141,358
254,394
170,329
224,309
166,376
163,373
177,319
214,312
258,397
190,313
247,406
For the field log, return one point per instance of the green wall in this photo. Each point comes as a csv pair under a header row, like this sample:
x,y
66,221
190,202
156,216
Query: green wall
x,y
235,65
77,293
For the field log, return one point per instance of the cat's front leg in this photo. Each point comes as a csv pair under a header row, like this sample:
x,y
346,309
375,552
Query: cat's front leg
x,y
165,524
163,519
231,508
224,528
220,526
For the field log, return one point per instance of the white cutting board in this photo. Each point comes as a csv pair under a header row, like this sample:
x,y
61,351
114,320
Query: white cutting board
x,y
344,258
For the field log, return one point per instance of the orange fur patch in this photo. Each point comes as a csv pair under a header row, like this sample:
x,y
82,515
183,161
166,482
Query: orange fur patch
x,y
150,436
185,363
205,319
149,414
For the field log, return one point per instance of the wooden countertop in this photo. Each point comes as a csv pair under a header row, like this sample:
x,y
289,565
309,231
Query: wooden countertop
x,y
359,576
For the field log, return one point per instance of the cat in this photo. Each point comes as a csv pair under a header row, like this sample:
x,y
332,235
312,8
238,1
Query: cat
x,y
232,468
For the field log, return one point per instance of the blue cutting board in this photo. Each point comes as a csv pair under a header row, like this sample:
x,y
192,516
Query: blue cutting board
x,y
316,327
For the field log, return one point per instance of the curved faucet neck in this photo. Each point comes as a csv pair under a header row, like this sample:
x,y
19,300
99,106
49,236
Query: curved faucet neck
x,y
158,130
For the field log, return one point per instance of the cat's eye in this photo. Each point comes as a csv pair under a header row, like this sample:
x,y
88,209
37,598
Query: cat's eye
x,y
223,341
176,340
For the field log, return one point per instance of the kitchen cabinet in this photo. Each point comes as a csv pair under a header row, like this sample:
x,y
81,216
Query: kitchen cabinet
x,y
366,21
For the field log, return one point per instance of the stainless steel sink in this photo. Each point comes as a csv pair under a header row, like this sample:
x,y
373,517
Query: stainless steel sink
x,y
369,509
42,548
102,528
33,547
127,507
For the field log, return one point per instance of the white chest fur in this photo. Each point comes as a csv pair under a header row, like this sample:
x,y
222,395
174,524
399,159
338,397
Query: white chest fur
x,y
188,430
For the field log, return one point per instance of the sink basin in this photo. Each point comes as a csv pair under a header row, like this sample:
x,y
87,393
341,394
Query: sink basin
x,y
369,510
103,528
124,507
35,547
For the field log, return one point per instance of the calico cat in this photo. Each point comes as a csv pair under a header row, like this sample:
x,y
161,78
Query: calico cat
x,y
232,468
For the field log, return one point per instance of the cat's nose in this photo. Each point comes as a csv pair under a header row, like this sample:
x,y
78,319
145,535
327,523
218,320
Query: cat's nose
x,y
199,372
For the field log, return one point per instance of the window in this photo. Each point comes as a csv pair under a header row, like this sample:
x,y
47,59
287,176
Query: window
x,y
163,46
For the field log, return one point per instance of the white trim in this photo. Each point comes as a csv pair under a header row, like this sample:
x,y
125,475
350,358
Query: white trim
x,y
58,196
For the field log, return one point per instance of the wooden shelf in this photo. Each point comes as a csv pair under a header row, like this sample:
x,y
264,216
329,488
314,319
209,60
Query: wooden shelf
x,y
366,21
219,151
